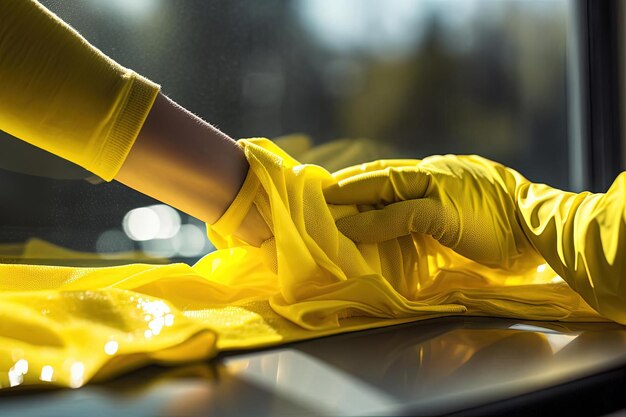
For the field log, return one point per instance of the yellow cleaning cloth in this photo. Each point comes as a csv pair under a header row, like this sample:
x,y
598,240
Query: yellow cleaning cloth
x,y
66,326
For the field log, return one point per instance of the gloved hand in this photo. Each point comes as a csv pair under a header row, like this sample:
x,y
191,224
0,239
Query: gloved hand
x,y
467,203
492,215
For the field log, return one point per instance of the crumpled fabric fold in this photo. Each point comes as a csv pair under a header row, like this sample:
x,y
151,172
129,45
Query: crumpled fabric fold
x,y
66,326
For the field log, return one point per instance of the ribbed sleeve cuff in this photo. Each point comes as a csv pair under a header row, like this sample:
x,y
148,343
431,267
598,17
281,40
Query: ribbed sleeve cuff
x,y
129,121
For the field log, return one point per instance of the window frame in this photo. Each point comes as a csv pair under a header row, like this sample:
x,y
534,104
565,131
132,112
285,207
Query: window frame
x,y
595,82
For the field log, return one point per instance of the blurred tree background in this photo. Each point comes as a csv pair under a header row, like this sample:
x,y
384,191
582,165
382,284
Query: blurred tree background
x,y
421,77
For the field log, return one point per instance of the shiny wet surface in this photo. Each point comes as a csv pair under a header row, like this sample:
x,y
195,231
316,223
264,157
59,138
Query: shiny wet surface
x,y
431,367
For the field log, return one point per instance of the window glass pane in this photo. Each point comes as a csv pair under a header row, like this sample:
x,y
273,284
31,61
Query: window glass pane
x,y
413,77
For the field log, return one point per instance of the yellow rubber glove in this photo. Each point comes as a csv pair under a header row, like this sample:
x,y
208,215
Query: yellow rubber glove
x,y
323,276
492,215
467,203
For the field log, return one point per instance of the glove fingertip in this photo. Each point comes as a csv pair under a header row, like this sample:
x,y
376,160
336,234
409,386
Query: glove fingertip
x,y
352,228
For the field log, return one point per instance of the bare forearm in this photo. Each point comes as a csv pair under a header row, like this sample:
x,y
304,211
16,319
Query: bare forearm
x,y
184,161
178,158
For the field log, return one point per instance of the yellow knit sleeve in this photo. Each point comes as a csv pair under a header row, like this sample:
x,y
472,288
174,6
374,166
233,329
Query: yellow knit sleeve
x,y
63,95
